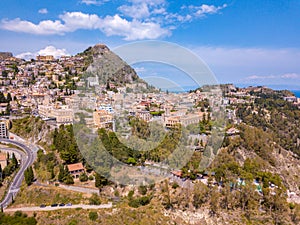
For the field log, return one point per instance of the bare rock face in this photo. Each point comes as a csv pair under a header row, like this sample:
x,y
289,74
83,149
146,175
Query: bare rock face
x,y
5,55
108,66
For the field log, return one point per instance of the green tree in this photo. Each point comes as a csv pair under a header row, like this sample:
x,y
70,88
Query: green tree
x,y
2,98
83,177
62,173
68,179
142,190
93,216
1,173
29,176
200,194
7,110
14,161
8,98
214,203
94,199
100,181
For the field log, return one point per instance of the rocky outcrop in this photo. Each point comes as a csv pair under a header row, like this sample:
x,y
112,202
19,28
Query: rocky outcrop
x,y
5,55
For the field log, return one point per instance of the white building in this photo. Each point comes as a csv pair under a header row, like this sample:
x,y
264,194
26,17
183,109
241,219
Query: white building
x,y
3,129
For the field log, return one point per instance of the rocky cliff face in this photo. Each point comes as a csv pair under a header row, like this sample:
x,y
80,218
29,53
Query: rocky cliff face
x,y
108,67
5,55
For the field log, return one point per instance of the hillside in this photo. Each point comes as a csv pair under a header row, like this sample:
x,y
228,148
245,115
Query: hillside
x,y
5,55
109,68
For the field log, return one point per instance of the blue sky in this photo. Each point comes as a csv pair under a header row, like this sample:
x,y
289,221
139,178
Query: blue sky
x,y
244,42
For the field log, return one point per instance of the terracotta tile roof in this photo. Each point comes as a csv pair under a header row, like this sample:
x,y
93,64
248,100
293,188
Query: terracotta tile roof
x,y
75,166
177,173
3,156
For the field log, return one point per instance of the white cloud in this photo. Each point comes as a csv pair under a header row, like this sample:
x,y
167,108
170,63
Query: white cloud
x,y
148,2
174,18
43,11
207,9
281,79
144,19
255,77
78,20
190,13
132,30
45,27
49,50
72,21
26,55
93,2
290,76
135,11
143,9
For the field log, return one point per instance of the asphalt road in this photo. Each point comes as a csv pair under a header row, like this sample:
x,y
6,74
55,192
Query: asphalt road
x,y
26,161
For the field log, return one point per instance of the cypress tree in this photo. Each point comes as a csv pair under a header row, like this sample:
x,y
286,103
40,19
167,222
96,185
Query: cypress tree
x,y
29,176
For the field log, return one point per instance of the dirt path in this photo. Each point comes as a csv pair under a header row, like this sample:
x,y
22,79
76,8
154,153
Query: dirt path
x,y
49,208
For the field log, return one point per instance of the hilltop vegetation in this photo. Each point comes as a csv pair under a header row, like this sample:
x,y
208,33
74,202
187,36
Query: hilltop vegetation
x,y
276,117
31,128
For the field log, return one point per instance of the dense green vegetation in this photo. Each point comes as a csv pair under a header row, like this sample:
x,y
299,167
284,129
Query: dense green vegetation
x,y
4,99
170,142
17,219
203,127
64,142
11,167
116,148
140,128
45,164
29,176
28,127
64,175
275,116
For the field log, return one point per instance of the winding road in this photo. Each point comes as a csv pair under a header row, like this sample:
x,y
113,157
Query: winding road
x,y
27,161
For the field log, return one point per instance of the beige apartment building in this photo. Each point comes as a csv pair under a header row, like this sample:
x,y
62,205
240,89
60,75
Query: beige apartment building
x,y
183,120
103,119
61,113
45,58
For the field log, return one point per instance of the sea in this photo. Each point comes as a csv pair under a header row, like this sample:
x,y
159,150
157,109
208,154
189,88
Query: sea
x,y
297,93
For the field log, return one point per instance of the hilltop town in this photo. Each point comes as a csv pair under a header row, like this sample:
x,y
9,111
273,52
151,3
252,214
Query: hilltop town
x,y
45,100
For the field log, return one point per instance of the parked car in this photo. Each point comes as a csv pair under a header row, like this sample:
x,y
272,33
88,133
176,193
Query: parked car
x,y
69,204
42,206
54,205
61,204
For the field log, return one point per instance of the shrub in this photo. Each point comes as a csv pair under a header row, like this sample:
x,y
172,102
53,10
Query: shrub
x,y
83,177
93,216
94,200
142,190
135,203
175,185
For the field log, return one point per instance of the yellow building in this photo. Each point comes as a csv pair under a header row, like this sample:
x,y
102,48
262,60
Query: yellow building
x,y
103,119
45,58
184,120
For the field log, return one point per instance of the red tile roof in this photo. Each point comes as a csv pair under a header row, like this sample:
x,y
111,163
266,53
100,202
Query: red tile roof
x,y
75,166
3,156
